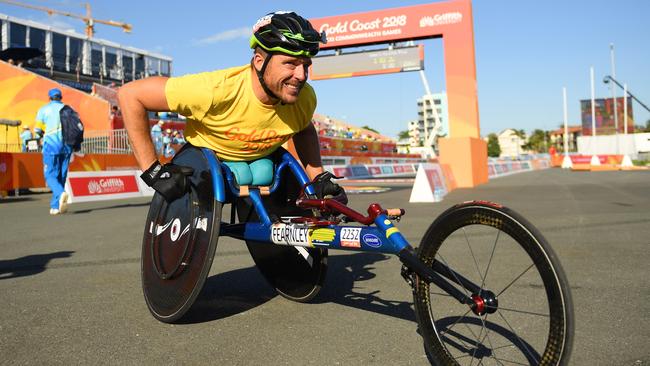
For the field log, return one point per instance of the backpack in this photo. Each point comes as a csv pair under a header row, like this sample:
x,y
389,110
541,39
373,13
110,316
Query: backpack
x,y
72,127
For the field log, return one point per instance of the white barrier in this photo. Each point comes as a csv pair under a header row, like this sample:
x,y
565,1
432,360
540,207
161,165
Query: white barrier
x,y
429,185
105,185
631,144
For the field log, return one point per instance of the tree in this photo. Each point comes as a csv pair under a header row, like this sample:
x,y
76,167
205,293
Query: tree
x,y
403,135
521,134
369,129
494,149
537,141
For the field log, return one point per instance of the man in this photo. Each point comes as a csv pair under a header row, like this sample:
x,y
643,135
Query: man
x,y
177,139
56,154
242,113
156,136
25,136
168,151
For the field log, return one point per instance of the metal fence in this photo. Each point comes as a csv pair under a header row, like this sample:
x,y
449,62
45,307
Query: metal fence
x,y
11,147
106,142
95,142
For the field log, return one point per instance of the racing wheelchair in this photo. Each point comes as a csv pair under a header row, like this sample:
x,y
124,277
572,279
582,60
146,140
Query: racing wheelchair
x,y
486,285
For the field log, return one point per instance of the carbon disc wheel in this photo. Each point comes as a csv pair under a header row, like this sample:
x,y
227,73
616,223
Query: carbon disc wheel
x,y
179,243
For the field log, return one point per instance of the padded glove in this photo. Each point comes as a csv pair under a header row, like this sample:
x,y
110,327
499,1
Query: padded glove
x,y
325,188
169,180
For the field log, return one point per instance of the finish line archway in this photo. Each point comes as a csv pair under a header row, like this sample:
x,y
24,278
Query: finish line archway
x,y
463,150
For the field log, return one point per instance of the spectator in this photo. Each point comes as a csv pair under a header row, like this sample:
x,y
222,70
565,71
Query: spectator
x,y
167,143
56,154
177,138
25,136
156,136
115,112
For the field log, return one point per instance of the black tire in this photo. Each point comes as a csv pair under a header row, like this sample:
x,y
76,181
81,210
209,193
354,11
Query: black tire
x,y
176,264
502,252
286,268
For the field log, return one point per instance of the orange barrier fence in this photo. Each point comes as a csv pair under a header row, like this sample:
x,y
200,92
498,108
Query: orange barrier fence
x,y
25,170
579,159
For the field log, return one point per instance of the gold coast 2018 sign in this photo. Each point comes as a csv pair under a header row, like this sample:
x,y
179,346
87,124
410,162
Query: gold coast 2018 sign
x,y
452,21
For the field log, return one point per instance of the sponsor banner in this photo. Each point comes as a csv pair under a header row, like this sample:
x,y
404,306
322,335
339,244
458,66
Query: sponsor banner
x,y
604,159
105,185
392,24
374,170
497,168
340,171
357,171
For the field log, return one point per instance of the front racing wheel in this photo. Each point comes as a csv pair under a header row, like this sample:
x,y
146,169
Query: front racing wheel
x,y
522,313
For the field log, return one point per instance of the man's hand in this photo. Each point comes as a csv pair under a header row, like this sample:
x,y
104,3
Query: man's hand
x,y
325,188
169,180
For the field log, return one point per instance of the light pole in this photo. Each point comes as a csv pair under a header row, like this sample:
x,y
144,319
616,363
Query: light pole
x,y
611,49
566,162
594,158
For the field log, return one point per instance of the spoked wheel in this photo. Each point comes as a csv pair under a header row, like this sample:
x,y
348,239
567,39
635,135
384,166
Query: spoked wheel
x,y
521,315
296,273
178,245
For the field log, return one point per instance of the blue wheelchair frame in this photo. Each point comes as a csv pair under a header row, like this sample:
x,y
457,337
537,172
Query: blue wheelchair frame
x,y
384,237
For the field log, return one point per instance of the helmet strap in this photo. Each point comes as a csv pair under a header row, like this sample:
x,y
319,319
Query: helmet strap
x,y
260,76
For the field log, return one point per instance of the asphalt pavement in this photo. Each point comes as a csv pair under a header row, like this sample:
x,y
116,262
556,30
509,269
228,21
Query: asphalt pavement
x,y
70,290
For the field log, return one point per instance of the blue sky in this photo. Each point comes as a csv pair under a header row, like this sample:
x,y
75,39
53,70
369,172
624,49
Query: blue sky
x,y
526,52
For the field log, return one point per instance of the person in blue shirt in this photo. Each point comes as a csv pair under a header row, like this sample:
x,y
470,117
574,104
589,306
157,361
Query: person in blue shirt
x,y
56,154
157,137
168,151
25,136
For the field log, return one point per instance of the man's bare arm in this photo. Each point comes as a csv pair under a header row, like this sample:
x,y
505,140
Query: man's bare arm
x,y
307,150
136,98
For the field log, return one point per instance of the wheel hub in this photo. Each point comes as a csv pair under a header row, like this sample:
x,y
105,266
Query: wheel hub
x,y
484,303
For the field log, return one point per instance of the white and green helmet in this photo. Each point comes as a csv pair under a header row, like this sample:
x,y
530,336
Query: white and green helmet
x,y
288,33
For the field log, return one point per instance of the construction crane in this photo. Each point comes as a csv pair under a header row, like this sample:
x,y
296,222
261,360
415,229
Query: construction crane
x,y
88,19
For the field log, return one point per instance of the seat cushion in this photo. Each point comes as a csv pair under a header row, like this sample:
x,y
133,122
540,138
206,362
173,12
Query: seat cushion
x,y
258,172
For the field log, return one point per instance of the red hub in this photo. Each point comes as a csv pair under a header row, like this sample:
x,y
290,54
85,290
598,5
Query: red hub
x,y
479,305
487,303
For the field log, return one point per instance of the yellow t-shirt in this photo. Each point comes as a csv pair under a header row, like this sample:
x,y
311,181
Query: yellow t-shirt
x,y
224,114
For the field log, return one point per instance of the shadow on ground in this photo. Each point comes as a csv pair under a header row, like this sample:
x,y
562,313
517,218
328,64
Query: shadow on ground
x,y
29,265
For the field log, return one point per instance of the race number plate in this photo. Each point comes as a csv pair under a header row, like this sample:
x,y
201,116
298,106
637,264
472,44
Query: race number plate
x,y
350,237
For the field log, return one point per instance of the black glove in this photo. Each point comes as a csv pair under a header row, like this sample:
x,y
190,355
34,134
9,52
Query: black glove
x,y
325,188
169,180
